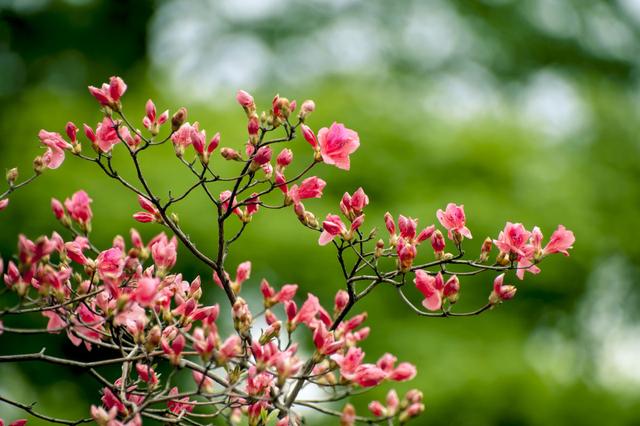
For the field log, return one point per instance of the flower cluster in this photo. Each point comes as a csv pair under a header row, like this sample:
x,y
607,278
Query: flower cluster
x,y
130,299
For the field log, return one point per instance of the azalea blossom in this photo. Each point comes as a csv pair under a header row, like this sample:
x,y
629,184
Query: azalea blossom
x,y
453,219
309,188
54,156
336,144
110,94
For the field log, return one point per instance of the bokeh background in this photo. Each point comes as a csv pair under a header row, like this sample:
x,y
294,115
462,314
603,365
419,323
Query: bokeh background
x,y
522,110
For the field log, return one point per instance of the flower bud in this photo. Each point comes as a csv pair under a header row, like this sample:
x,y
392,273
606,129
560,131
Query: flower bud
x,y
230,154
178,119
438,244
377,409
306,108
341,300
12,175
270,332
57,208
485,250
39,165
379,247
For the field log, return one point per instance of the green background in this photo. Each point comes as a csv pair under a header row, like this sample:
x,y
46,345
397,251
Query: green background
x,y
521,110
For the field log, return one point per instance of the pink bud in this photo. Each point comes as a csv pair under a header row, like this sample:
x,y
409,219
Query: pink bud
x,y
425,234
146,204
89,133
213,144
144,217
291,309
136,239
230,154
253,126
341,300
4,203
72,131
307,107
389,223
245,99
437,241
403,372
150,110
377,409
309,135
263,155
285,157
117,87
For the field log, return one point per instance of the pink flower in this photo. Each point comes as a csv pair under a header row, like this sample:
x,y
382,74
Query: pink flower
x,y
177,406
561,240
4,203
227,203
309,188
230,348
271,297
109,94
205,383
324,340
261,157
431,288
164,252
453,219
146,291
110,263
106,135
147,374
183,136
513,238
331,228
369,375
243,272
352,206
501,291
56,322
74,252
54,156
173,350
403,372
336,144
79,207
149,121
349,362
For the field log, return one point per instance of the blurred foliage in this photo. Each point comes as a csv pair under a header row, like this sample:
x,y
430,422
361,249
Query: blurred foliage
x,y
412,160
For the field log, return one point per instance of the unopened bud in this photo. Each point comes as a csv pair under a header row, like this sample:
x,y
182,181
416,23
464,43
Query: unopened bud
x,y
310,220
178,119
379,248
271,332
39,165
174,218
502,259
230,154
12,175
485,250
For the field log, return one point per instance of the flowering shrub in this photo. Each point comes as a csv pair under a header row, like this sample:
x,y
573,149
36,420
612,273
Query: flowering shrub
x,y
129,301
